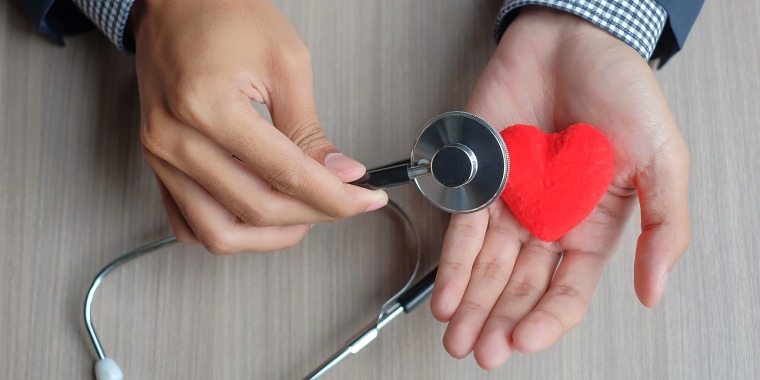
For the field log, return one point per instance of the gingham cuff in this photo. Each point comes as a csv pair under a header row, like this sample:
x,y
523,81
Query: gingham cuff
x,y
638,23
110,16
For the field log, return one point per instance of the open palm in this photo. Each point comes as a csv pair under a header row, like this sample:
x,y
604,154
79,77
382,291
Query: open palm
x,y
500,288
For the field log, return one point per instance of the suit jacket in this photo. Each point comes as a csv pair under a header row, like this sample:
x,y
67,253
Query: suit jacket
x,y
56,19
681,17
59,18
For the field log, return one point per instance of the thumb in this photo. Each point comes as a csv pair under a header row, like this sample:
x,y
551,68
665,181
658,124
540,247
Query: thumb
x,y
663,192
294,114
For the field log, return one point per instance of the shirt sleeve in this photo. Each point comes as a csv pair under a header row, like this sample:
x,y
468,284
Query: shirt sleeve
x,y
639,23
110,16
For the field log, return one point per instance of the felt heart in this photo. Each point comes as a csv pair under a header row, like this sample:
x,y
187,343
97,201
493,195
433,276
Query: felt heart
x,y
555,180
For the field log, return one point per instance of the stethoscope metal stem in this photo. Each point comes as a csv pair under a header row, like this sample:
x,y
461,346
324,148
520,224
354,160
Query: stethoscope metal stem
x,y
103,273
407,302
357,343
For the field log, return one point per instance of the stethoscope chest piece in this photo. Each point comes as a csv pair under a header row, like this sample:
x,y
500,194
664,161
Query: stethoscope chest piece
x,y
467,161
458,162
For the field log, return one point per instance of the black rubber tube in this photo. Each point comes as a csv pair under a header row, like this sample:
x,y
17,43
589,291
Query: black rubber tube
x,y
395,174
419,292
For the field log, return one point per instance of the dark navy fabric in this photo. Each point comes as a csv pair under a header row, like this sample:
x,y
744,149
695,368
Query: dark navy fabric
x,y
56,19
681,17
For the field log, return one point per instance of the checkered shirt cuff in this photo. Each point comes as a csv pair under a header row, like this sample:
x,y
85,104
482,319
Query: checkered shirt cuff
x,y
638,23
110,16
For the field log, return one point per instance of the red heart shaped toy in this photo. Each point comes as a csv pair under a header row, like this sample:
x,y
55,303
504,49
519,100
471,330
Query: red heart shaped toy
x,y
555,180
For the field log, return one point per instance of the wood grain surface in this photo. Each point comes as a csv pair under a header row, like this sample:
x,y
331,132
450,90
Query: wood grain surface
x,y
75,193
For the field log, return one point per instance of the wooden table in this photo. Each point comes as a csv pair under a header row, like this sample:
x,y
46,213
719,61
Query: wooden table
x,y
75,192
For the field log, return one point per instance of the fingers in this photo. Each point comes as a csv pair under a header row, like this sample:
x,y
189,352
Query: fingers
x,y
346,168
241,191
489,275
529,281
196,113
299,168
181,229
665,235
284,165
564,304
220,231
295,115
463,241
293,110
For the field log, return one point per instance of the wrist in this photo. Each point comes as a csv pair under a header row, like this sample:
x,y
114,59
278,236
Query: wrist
x,y
136,16
638,24
552,37
556,25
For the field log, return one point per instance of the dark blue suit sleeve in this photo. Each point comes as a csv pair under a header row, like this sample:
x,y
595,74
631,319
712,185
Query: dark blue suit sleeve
x,y
56,19
681,17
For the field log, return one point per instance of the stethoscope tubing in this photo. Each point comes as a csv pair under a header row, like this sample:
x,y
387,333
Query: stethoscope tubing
x,y
406,300
121,260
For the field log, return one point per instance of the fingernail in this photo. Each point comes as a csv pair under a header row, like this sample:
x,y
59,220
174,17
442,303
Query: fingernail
x,y
662,282
342,165
377,205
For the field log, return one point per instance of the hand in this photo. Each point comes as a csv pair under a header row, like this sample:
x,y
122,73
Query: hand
x,y
229,178
498,287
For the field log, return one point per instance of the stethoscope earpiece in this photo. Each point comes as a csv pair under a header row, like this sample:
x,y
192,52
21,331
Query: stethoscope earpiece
x,y
458,162
108,369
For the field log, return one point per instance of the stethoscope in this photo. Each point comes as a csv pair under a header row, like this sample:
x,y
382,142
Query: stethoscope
x,y
458,162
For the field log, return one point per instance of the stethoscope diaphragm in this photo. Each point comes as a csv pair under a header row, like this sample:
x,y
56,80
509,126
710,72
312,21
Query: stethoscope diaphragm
x,y
458,162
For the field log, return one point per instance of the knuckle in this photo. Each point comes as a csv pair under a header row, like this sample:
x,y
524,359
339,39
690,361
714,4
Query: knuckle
x,y
292,242
471,307
287,242
574,313
541,249
523,289
184,236
504,319
454,348
216,249
218,243
462,232
257,213
308,135
252,216
343,212
452,267
489,270
568,291
289,179
563,322
185,98
152,138
502,229
196,101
